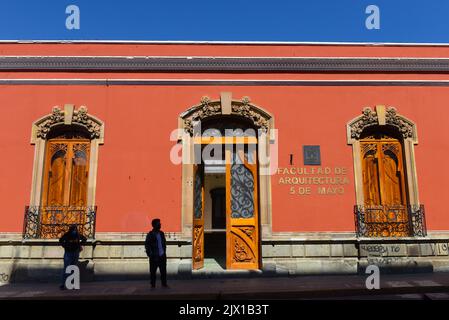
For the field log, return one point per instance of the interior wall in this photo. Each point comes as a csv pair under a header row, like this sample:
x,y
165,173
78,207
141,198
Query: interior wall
x,y
211,181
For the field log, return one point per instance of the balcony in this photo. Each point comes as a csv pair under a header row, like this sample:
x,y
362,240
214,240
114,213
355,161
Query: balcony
x,y
390,221
51,222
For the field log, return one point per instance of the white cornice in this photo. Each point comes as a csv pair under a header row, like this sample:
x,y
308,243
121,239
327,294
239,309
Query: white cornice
x,y
206,42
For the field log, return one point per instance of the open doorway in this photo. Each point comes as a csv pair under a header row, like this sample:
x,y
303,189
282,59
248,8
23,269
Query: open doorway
x,y
215,218
247,131
226,207
226,229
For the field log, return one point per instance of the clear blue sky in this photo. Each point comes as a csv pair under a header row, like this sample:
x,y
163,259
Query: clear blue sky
x,y
424,21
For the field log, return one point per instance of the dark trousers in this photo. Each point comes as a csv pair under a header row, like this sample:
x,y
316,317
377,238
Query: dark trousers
x,y
161,263
70,258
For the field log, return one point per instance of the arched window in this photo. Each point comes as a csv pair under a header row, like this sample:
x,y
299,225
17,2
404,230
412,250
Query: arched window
x,y
385,175
64,173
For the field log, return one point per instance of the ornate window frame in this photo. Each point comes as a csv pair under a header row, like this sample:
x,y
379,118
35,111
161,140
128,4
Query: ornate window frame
x,y
207,108
66,117
384,116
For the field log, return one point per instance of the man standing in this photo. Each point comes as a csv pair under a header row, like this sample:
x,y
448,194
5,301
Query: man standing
x,y
156,250
72,243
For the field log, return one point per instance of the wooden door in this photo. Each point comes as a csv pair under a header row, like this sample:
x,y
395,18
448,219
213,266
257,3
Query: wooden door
x,y
56,174
384,187
198,218
79,171
242,229
65,183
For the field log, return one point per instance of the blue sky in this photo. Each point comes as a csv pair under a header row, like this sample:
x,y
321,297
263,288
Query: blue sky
x,y
227,20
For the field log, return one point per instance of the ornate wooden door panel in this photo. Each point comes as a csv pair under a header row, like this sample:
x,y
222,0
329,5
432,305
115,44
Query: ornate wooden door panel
x,y
393,178
384,187
64,196
370,174
79,174
55,174
242,234
198,218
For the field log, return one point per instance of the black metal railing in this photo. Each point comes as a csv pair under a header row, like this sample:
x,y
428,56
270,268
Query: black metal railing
x,y
51,222
390,221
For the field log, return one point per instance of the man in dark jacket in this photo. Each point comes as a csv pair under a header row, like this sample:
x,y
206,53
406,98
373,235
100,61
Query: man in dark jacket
x,y
71,241
155,246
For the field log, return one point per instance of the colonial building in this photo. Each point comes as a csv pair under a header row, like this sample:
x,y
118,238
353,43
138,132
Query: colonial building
x,y
262,158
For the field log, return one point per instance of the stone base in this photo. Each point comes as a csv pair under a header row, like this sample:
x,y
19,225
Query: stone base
x,y
121,257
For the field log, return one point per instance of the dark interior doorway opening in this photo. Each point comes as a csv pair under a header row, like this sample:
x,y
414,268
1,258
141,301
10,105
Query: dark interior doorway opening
x,y
215,239
215,247
218,196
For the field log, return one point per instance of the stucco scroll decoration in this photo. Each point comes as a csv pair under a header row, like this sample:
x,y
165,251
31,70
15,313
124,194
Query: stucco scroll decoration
x,y
392,118
44,127
79,117
368,118
208,108
244,109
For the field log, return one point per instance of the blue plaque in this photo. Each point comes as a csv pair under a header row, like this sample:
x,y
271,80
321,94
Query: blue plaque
x,y
311,155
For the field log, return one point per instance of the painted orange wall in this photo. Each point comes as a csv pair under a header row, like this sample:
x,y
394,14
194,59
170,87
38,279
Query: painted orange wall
x,y
211,49
136,180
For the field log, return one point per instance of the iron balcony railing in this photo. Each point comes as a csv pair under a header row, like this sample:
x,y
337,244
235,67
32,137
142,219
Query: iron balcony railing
x,y
390,221
51,222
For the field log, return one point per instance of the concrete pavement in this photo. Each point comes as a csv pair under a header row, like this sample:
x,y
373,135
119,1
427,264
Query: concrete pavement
x,y
304,287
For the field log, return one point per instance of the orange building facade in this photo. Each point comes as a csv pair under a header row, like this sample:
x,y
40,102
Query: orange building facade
x,y
334,158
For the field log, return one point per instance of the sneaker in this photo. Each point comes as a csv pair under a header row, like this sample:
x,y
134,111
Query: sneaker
x,y
165,286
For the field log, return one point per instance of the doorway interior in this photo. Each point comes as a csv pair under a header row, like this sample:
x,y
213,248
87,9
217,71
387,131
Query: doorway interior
x,y
215,217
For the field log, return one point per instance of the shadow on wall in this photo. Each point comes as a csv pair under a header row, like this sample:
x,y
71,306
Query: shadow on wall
x,y
26,271
396,266
51,271
137,269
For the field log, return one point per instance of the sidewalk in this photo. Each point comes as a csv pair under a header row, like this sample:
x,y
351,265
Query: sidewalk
x,y
305,287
